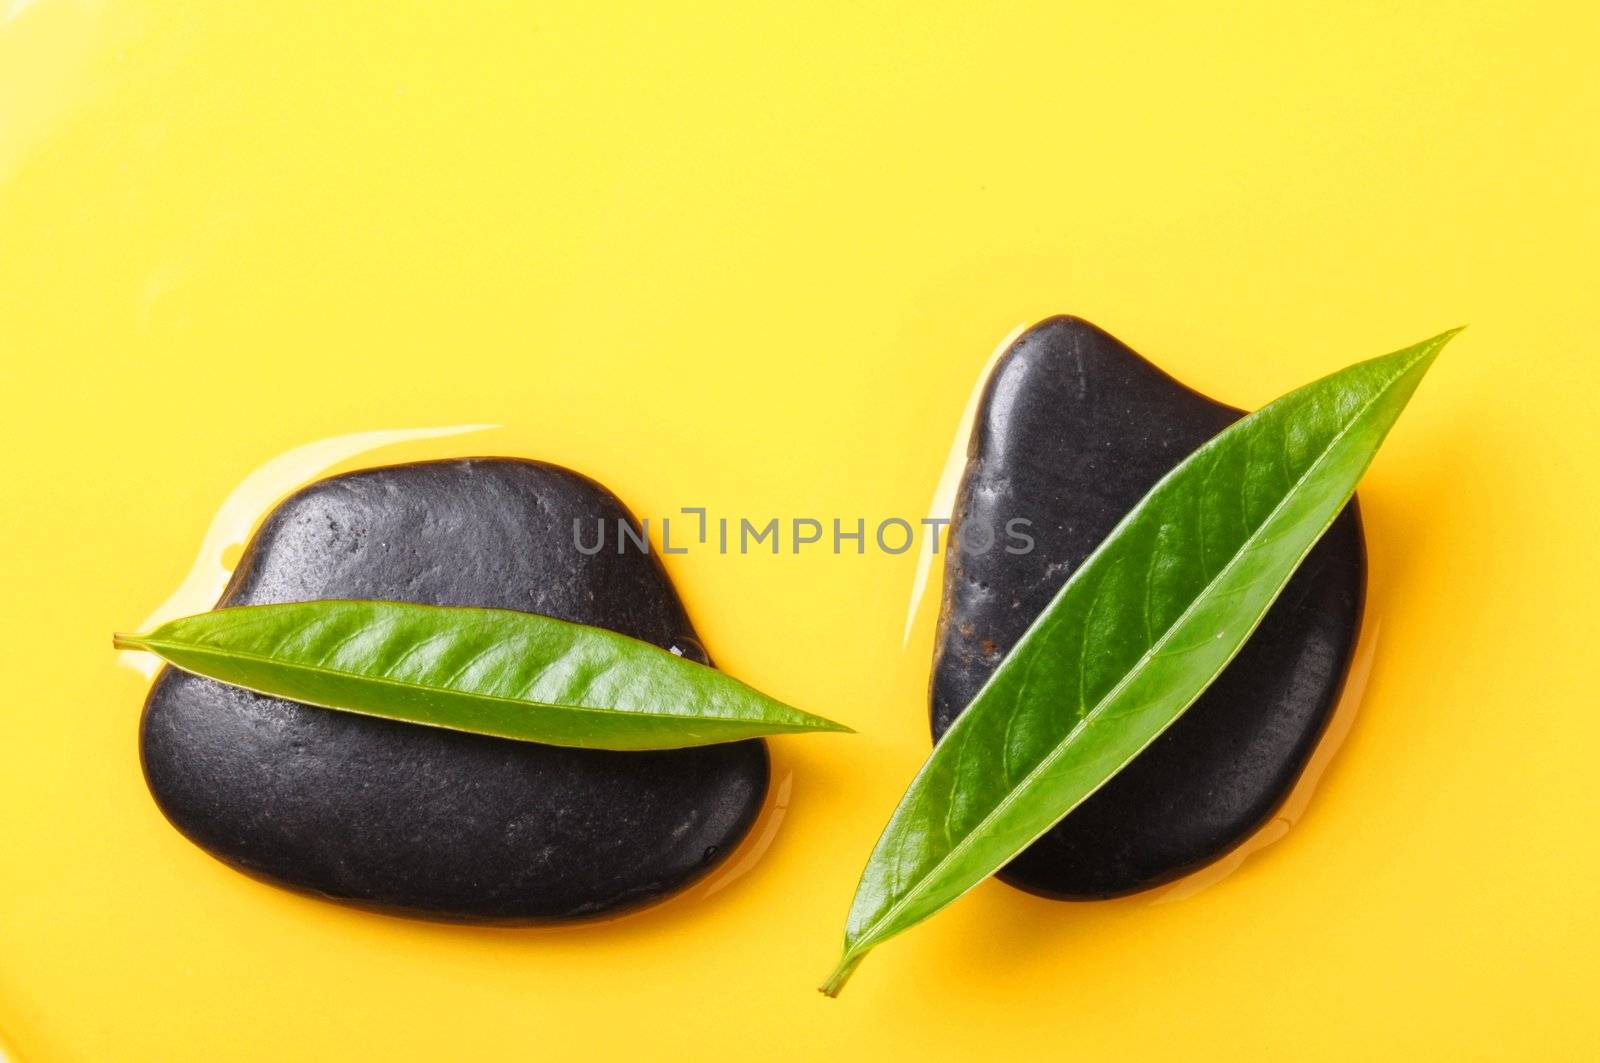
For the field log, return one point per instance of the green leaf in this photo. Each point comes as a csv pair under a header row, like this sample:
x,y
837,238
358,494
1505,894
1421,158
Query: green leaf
x,y
489,671
1135,635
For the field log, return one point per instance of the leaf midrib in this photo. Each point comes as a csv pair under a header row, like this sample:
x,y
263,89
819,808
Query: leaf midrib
x,y
206,651
1013,794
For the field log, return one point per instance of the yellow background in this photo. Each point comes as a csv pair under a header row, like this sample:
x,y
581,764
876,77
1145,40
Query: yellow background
x,y
754,257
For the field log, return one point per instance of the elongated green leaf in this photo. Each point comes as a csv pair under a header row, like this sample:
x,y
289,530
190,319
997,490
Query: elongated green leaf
x,y
1135,635
490,671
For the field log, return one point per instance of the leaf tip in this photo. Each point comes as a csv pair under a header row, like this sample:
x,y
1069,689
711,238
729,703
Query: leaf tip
x,y
803,721
1419,357
1435,345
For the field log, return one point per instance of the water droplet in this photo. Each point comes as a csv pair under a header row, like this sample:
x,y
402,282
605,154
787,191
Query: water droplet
x,y
690,648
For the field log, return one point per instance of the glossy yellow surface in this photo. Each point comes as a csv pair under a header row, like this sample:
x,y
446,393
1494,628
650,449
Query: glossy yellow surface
x,y
754,258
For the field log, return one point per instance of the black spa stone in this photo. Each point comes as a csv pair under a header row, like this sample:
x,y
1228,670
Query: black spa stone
x,y
431,823
1074,428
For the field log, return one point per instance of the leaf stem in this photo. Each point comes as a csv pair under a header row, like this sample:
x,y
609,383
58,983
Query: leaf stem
x,y
121,640
842,973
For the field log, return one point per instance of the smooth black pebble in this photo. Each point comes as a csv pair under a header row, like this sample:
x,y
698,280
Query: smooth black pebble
x,y
1075,428
431,823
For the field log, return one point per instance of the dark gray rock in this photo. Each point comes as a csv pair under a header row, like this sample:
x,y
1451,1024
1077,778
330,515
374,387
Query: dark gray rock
x,y
1073,430
433,823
